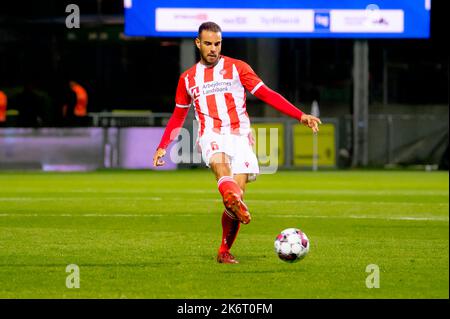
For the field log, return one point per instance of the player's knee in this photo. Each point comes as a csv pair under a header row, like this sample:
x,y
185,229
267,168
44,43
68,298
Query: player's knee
x,y
220,169
219,159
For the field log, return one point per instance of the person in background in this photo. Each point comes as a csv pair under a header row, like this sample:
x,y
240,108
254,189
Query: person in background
x,y
3,106
80,108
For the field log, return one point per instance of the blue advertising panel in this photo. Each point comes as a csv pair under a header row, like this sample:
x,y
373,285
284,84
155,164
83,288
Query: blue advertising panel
x,y
281,18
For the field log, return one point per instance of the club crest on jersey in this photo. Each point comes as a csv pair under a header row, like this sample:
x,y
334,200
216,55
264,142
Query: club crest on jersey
x,y
247,164
223,72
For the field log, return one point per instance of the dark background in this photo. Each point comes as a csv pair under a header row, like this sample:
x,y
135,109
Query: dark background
x,y
141,73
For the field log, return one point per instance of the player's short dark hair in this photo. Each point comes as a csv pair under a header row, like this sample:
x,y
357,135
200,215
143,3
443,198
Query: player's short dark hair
x,y
209,26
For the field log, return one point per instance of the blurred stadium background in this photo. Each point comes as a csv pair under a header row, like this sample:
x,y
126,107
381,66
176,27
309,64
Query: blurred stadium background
x,y
384,100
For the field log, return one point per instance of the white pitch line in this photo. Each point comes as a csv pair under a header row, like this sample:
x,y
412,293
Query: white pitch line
x,y
436,218
441,219
334,202
11,199
91,215
116,215
262,191
352,192
171,199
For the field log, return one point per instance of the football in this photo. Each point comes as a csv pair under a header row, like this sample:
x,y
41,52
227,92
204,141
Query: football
x,y
291,245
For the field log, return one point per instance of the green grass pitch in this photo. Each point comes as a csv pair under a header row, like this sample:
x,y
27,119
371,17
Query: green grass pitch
x,y
147,234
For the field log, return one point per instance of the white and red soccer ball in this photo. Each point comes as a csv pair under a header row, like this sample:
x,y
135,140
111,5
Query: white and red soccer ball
x,y
291,245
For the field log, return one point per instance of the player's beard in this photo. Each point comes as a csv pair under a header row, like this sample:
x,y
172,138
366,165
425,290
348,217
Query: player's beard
x,y
210,60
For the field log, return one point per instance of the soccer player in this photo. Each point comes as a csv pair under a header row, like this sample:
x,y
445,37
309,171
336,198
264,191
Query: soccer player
x,y
216,86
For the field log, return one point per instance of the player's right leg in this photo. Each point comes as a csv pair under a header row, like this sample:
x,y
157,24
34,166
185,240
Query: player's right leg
x,y
230,190
230,225
235,210
215,153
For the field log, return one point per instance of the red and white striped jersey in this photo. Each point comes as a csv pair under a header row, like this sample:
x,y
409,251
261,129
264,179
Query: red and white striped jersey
x,y
218,95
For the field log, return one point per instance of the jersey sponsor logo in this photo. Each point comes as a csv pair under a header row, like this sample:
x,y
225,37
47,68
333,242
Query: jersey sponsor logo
x,y
215,87
195,92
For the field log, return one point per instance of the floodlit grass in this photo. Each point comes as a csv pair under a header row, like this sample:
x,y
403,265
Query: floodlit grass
x,y
147,234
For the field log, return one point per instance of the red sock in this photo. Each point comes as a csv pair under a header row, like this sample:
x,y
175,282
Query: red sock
x,y
230,229
226,183
230,225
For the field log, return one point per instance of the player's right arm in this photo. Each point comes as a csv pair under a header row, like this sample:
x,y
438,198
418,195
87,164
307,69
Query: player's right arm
x,y
176,121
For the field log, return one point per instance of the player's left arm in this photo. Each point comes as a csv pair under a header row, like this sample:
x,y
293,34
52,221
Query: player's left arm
x,y
255,85
278,102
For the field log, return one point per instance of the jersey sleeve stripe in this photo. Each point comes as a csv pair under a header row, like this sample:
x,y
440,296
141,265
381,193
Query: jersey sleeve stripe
x,y
183,106
257,87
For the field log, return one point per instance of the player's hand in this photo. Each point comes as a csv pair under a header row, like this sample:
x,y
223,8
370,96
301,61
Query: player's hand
x,y
311,121
157,161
